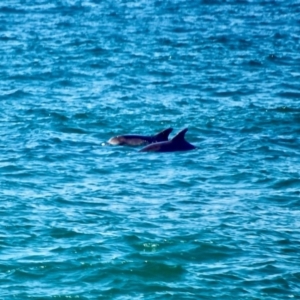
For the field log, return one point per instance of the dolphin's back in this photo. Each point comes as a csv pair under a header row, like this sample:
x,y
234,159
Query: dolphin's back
x,y
130,139
137,140
177,143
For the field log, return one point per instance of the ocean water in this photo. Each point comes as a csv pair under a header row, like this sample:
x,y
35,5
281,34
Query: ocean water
x,y
80,219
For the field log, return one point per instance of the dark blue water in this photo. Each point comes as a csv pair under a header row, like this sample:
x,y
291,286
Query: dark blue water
x,y
80,219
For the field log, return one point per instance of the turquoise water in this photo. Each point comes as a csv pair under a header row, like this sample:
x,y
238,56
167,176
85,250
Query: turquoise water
x,y
84,220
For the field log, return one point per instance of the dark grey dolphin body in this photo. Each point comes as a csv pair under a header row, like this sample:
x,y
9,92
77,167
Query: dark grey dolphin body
x,y
136,140
177,143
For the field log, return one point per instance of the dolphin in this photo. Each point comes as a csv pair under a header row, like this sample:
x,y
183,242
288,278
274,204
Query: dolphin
x,y
136,140
177,143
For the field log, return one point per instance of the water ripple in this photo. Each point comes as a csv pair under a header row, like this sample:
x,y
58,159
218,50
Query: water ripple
x,y
81,219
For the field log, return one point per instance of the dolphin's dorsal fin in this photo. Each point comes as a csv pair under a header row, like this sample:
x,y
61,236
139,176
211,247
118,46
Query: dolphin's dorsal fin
x,y
163,135
179,137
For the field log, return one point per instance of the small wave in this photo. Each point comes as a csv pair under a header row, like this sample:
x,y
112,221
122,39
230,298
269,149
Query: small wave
x,y
15,94
73,130
287,183
291,94
12,10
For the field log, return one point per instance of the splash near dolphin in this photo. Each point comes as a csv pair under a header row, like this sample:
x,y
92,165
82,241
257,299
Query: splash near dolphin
x,y
136,140
177,143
